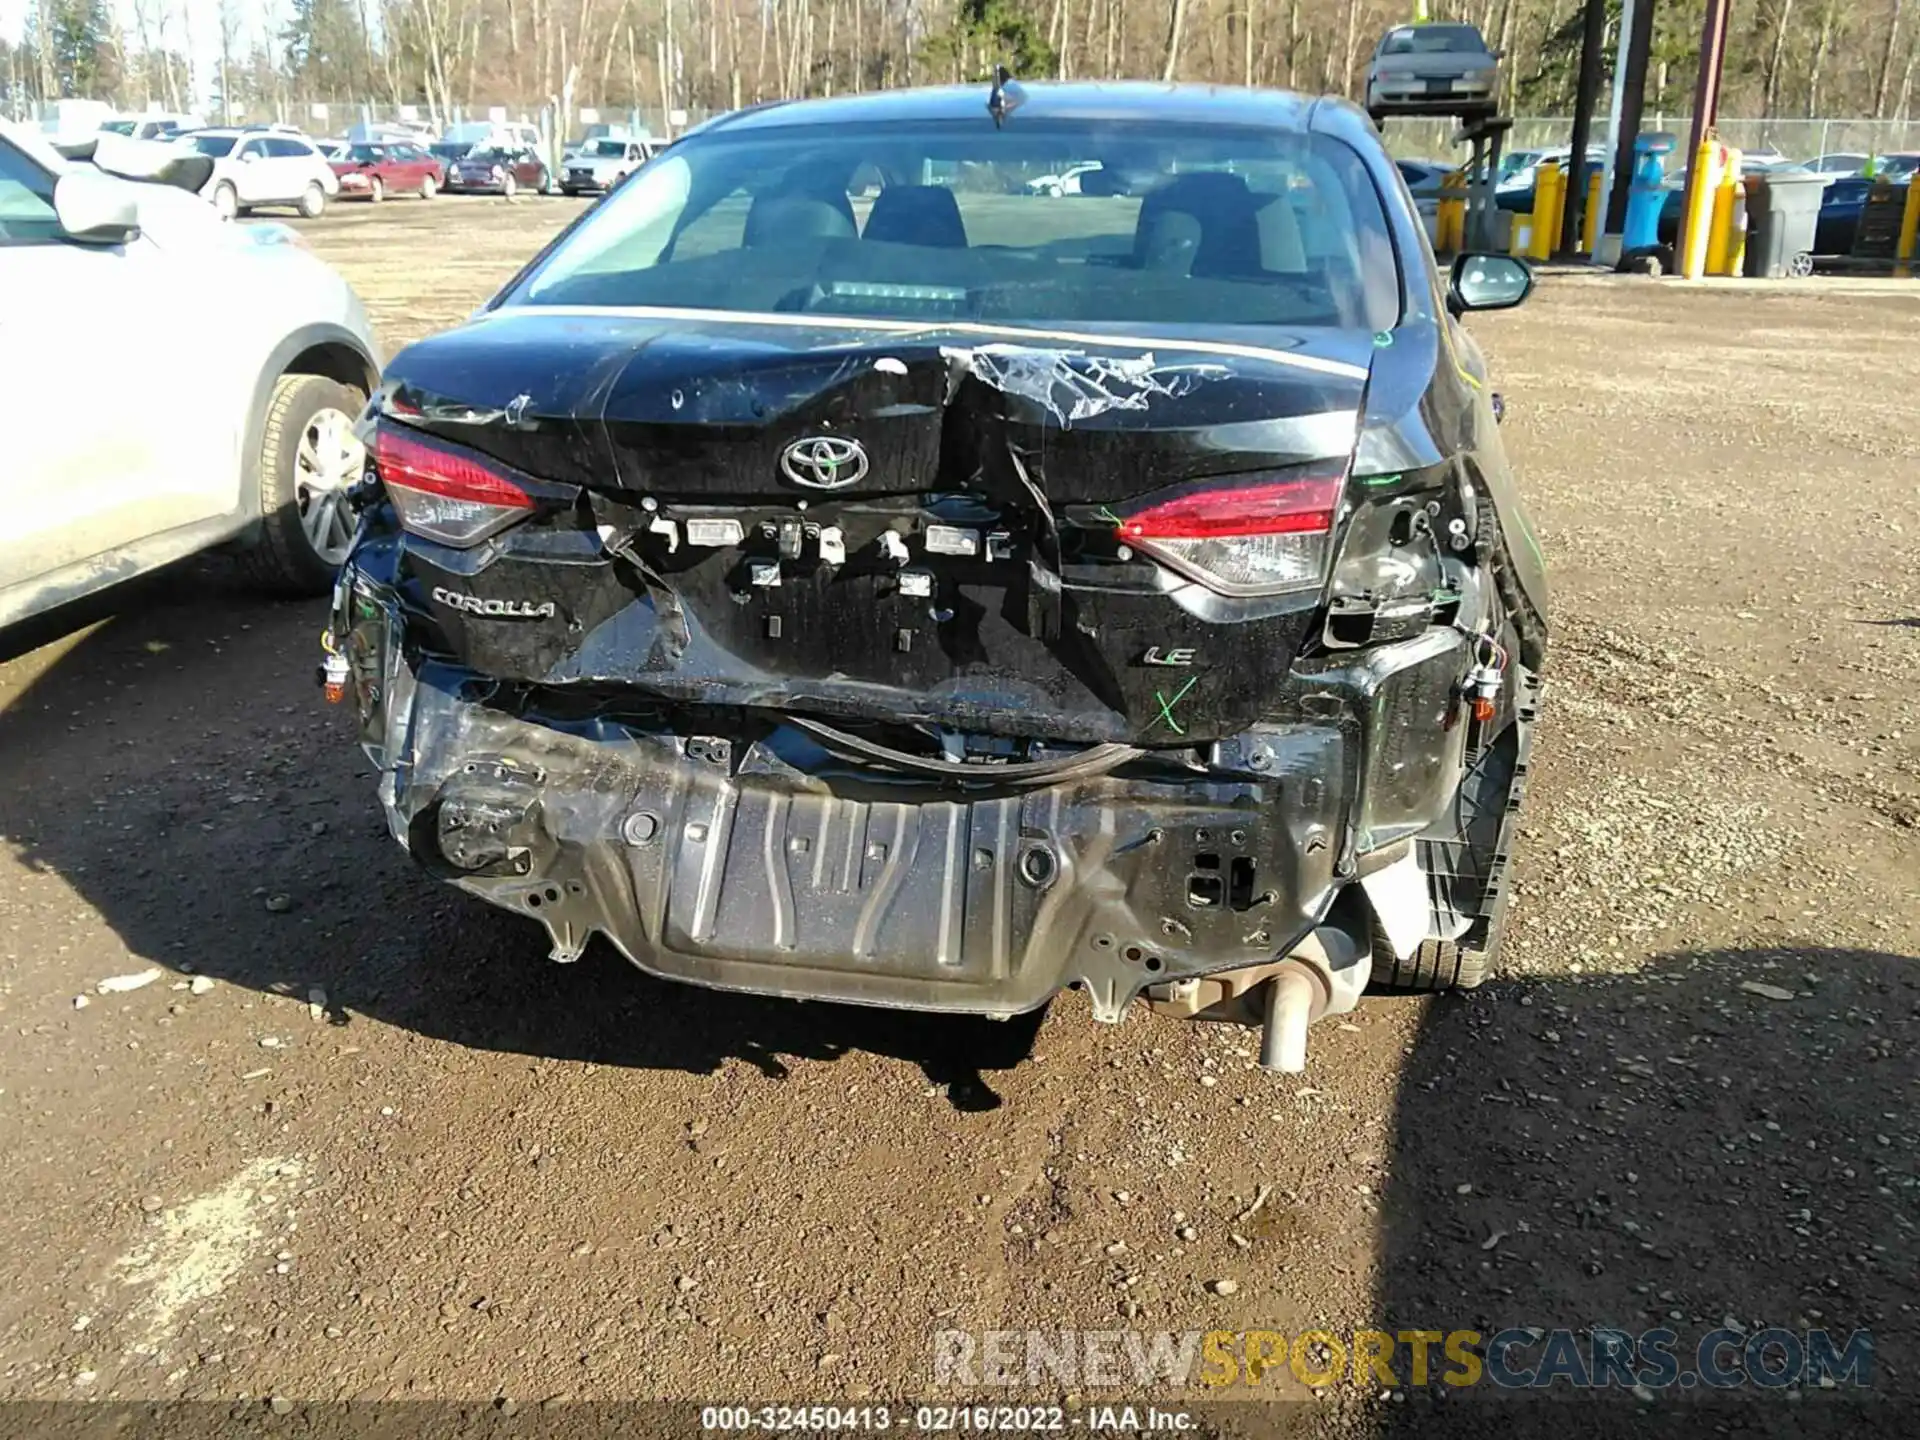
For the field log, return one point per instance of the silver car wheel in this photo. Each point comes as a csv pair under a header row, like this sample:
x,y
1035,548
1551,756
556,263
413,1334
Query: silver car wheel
x,y
325,467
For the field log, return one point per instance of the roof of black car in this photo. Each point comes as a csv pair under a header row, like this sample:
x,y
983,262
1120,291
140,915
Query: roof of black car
x,y
1073,101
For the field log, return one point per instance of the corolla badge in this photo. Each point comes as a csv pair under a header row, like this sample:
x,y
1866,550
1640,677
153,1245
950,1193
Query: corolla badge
x,y
824,462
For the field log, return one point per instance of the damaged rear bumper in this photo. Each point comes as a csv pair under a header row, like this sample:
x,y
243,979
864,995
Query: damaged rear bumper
x,y
759,862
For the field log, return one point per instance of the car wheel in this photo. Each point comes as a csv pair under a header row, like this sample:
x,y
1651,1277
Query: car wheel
x,y
1800,264
376,191
1435,965
509,186
547,184
427,187
313,201
308,460
226,200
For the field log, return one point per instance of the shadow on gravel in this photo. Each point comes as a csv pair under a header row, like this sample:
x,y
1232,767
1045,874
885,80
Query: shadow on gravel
x,y
178,770
1664,1151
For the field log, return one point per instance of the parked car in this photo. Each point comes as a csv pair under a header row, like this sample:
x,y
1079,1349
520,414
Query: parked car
x,y
602,164
1842,204
373,172
493,134
108,481
1066,182
1424,179
152,127
505,171
1516,192
1839,163
449,153
1431,69
252,169
709,596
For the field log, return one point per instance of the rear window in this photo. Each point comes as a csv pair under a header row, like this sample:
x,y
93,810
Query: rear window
x,y
1170,224
1433,40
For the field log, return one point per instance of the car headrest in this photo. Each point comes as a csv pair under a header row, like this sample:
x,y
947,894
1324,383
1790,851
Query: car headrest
x,y
1216,205
781,219
917,215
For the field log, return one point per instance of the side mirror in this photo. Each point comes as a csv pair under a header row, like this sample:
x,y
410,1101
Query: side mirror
x,y
1488,282
95,210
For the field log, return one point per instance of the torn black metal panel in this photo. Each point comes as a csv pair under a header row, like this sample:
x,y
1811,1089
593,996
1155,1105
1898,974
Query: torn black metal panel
x,y
705,408
745,856
851,638
1428,408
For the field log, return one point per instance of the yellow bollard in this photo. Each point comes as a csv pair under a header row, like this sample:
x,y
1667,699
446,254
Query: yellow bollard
x,y
1909,224
1590,220
1697,223
1721,239
1450,231
1546,190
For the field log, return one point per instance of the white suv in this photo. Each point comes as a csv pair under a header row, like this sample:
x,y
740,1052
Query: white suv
x,y
264,167
150,424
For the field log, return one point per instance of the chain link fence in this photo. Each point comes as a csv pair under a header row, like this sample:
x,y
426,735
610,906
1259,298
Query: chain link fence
x,y
1423,139
1428,139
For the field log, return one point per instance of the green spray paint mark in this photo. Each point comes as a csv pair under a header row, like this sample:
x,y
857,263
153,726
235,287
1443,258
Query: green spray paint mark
x,y
1166,705
1105,514
1381,479
1526,532
1382,339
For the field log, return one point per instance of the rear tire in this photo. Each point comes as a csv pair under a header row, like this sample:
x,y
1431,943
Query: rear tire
x,y
1434,965
428,187
509,187
547,183
226,200
313,201
304,411
376,191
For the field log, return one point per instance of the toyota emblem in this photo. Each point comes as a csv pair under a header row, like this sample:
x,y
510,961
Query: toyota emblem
x,y
824,462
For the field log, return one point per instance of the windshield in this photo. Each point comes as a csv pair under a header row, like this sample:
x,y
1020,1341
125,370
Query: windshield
x,y
615,148
451,152
1433,40
214,145
1182,224
120,127
487,157
366,154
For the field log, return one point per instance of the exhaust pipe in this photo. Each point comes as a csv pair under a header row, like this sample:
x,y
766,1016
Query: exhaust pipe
x,y
1323,977
1291,997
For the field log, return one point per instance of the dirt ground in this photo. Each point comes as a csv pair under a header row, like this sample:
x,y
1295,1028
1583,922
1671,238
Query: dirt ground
x,y
360,1139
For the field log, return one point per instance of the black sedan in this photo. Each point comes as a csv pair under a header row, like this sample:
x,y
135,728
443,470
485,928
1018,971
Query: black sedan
x,y
948,597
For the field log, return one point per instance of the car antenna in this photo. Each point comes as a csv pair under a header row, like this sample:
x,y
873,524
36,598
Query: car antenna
x,y
1005,97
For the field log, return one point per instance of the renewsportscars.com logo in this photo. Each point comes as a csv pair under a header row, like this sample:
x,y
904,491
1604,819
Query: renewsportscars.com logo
x,y
1517,1358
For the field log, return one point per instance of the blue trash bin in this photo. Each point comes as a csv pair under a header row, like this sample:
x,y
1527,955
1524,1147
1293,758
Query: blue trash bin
x,y
1648,192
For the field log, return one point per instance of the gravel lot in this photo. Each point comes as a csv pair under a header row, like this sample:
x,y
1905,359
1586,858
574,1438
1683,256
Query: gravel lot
x,y
357,1138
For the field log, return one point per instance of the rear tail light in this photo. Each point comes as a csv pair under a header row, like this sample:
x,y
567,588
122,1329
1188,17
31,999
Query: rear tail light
x,y
1260,535
445,492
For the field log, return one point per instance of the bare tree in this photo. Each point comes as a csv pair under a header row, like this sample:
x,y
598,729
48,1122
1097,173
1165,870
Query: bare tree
x,y
1176,22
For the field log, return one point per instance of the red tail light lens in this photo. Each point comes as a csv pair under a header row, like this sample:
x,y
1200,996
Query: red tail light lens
x,y
1260,536
444,492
